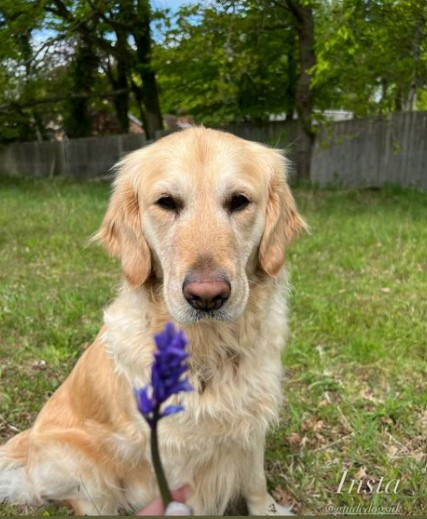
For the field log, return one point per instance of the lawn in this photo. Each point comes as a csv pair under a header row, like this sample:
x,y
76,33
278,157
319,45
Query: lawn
x,y
356,364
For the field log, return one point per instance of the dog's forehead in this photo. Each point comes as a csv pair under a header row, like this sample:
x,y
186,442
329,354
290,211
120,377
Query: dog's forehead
x,y
208,158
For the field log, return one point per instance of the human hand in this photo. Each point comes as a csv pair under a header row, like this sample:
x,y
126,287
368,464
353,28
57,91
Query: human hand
x,y
177,507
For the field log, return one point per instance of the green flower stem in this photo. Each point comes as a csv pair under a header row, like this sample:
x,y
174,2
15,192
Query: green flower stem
x,y
157,463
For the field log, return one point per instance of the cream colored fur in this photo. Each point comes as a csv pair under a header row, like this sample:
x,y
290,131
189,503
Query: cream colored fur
x,y
89,447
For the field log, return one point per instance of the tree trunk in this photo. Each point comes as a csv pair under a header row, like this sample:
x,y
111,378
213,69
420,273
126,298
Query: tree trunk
x,y
121,101
79,120
150,98
132,19
292,77
304,23
137,92
153,116
411,100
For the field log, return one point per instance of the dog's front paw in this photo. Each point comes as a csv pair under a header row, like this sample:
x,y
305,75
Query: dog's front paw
x,y
267,506
276,509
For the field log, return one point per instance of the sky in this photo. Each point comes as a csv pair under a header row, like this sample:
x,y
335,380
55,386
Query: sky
x,y
155,4
171,4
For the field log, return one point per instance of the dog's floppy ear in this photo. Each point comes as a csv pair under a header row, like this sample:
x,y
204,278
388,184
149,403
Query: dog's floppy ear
x,y
121,230
282,221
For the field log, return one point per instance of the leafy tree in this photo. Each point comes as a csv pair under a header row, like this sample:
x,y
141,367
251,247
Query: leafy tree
x,y
129,21
113,36
246,60
302,16
220,63
20,71
371,56
242,60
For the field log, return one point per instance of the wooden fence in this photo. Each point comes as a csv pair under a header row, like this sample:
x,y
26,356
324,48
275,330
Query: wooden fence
x,y
373,152
356,153
77,158
93,157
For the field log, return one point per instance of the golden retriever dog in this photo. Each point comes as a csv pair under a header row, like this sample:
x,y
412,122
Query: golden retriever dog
x,y
200,221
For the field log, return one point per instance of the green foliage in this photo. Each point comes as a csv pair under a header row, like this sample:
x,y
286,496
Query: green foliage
x,y
371,56
219,61
238,60
78,57
19,75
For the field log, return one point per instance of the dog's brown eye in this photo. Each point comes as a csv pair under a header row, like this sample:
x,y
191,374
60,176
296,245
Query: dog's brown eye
x,y
238,203
169,204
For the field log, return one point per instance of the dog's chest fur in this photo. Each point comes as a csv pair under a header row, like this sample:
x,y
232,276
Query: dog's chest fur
x,y
235,367
236,372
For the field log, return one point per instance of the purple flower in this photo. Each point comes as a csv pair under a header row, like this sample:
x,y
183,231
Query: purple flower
x,y
169,366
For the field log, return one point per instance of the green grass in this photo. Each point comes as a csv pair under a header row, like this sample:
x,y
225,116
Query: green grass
x,y
356,364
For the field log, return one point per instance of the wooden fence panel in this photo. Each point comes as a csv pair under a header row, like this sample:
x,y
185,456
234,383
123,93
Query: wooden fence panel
x,y
356,153
373,152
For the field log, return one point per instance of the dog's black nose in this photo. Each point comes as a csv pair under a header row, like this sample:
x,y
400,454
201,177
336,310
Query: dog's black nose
x,y
206,295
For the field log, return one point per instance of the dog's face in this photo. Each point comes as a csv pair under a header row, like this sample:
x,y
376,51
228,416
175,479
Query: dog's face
x,y
202,212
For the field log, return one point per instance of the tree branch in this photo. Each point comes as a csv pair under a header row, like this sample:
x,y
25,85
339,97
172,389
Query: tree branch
x,y
296,9
10,107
